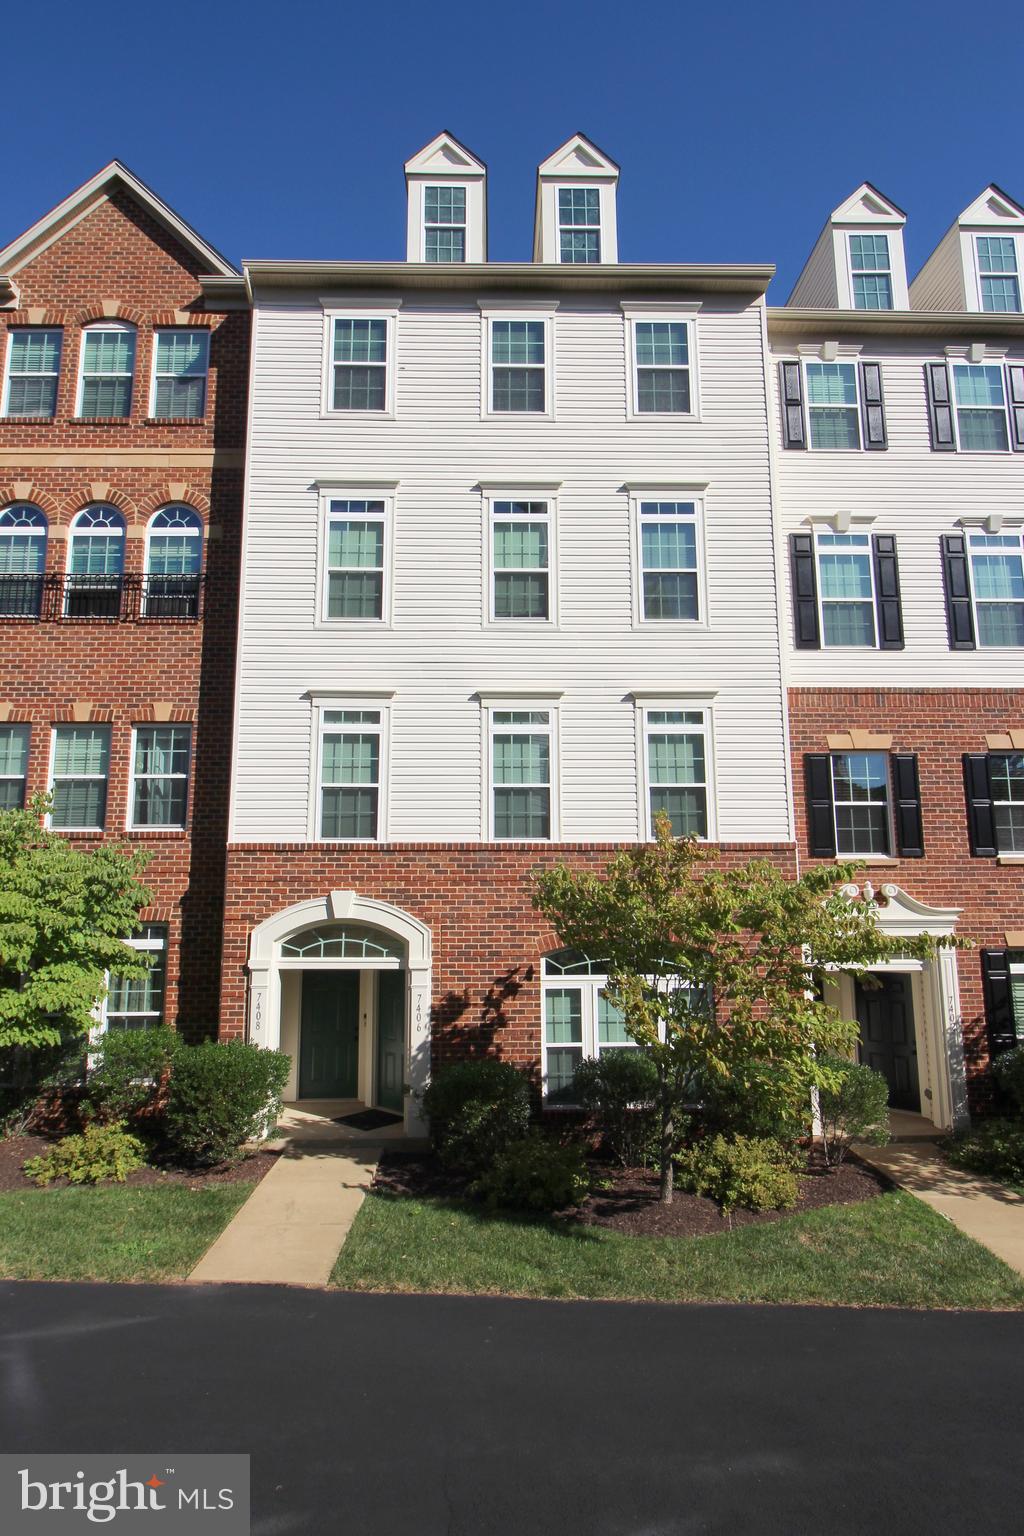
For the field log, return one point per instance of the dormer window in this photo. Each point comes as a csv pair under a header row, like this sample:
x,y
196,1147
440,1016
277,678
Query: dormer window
x,y
997,274
579,224
444,223
870,272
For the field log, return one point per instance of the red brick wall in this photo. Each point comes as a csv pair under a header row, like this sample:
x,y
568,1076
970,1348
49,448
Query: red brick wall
x,y
118,253
475,899
939,725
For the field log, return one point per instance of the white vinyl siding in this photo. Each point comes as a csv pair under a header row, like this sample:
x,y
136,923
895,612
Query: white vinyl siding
x,y
33,372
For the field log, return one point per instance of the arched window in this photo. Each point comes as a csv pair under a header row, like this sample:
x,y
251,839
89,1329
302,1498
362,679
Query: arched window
x,y
174,558
95,564
22,561
342,941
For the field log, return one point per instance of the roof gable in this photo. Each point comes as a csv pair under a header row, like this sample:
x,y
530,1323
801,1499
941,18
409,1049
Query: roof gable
x,y
992,208
87,197
868,206
445,156
578,156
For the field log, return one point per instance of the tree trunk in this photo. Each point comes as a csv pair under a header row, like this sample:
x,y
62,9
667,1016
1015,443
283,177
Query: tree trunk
x,y
667,1138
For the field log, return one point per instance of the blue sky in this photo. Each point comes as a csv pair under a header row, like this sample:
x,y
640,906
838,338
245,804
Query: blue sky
x,y
281,131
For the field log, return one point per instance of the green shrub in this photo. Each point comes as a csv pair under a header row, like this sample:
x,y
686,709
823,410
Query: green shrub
x,y
130,1071
620,1089
752,1171
994,1148
855,1108
476,1109
100,1152
220,1096
1009,1071
765,1103
535,1174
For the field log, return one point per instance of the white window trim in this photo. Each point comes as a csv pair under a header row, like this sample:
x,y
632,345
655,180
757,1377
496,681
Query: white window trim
x,y
859,533
697,495
19,778
48,819
170,330
890,820
151,946
1005,530
7,371
106,325
324,704
450,186
645,704
198,533
674,314
579,186
496,704
543,311
546,492
590,987
175,829
989,234
359,311
384,492
857,407
985,362
870,271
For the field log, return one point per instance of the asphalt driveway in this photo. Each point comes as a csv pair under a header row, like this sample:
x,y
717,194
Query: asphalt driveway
x,y
423,1415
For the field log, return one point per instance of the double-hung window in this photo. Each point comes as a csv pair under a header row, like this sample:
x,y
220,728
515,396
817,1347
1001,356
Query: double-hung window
x,y
137,1002
579,1020
160,761
870,272
81,765
107,371
356,560
518,354
998,275
662,366
833,406
33,370
846,588
979,394
669,561
579,224
444,223
997,587
677,770
521,560
360,362
13,766
181,363
1006,773
860,795
522,761
351,774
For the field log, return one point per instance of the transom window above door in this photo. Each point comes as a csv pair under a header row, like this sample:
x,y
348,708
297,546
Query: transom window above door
x,y
342,941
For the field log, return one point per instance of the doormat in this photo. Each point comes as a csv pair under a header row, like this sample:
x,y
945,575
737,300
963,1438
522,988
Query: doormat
x,y
368,1120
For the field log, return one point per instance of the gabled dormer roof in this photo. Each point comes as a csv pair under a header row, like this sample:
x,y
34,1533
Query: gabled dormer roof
x,y
445,155
578,156
88,196
869,206
992,208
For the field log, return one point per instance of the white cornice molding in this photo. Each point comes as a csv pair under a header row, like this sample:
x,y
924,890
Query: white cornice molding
x,y
355,483
385,303
669,487
660,307
839,522
517,301
516,483
508,698
658,698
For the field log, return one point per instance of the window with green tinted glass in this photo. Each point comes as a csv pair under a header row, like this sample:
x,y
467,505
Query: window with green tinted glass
x,y
160,775
669,561
81,763
444,223
521,552
871,272
350,774
563,1041
662,366
360,361
518,365
108,368
355,560
579,224
521,778
180,366
677,770
997,270
997,587
832,405
846,588
33,371
137,1002
13,766
980,399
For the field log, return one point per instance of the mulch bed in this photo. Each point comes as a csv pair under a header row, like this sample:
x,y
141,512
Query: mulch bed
x,y
250,1170
631,1205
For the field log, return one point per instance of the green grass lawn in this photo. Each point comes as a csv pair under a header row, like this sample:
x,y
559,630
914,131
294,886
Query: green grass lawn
x,y
112,1233
889,1251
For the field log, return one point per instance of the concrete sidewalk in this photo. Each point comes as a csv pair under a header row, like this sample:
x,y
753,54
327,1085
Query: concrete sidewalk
x,y
290,1230
988,1212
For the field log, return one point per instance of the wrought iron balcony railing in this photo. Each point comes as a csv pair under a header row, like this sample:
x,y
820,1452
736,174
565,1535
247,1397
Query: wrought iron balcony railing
x,y
118,599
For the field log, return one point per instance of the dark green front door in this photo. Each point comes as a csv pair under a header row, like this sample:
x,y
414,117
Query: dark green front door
x,y
887,1038
390,1038
329,1045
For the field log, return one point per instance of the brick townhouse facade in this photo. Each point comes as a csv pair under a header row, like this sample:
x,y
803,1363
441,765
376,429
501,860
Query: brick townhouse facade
x,y
125,346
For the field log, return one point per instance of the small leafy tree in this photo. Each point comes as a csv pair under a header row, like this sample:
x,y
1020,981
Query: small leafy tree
x,y
64,914
719,973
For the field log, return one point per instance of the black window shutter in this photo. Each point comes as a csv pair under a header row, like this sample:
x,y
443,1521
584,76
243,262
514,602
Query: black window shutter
x,y
872,406
906,789
956,580
794,435
1015,389
805,591
821,819
887,592
981,826
940,407
995,971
